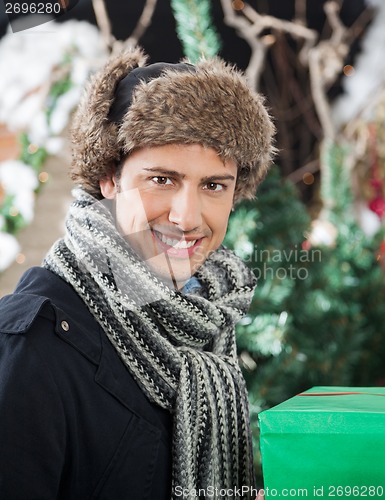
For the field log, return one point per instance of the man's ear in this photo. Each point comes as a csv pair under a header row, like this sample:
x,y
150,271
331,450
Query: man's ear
x,y
108,187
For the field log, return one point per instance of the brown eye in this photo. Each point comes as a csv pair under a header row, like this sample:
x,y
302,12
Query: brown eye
x,y
160,179
214,186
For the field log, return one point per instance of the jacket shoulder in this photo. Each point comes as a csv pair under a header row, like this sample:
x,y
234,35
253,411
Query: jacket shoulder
x,y
39,293
19,311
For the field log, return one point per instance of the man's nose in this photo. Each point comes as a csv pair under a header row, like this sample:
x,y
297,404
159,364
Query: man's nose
x,y
186,209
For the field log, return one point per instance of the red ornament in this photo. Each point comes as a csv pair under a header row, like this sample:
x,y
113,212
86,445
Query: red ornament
x,y
377,205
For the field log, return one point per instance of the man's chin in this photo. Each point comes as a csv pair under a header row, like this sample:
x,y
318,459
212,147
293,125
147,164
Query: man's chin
x,y
173,279
174,274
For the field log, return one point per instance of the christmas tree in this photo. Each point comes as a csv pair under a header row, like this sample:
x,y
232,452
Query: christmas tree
x,y
316,317
317,314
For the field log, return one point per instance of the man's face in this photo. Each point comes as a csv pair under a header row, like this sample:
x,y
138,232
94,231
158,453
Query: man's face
x,y
172,205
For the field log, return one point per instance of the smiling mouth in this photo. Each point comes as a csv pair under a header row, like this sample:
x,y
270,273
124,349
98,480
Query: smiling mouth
x,y
176,247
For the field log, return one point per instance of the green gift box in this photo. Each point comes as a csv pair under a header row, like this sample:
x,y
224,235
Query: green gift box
x,y
325,442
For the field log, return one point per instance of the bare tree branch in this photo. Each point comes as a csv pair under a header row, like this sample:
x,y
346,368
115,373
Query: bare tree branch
x,y
103,22
300,12
332,10
311,167
143,23
261,22
104,25
258,48
324,59
250,25
325,63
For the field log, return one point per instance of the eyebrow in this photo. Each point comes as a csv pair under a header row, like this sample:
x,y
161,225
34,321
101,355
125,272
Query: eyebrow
x,y
173,173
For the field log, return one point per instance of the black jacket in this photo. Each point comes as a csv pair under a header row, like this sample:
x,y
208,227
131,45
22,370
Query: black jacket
x,y
73,422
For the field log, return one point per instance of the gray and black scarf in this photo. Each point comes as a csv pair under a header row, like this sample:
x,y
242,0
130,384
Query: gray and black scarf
x,y
179,348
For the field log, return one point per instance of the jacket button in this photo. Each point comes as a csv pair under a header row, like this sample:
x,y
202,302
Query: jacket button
x,y
65,326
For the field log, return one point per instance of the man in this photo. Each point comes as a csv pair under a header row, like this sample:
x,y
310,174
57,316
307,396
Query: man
x,y
118,369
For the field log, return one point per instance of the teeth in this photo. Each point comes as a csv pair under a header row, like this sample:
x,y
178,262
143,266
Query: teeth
x,y
175,243
184,244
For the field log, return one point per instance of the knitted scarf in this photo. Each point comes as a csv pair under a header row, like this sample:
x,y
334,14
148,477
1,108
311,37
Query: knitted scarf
x,y
179,348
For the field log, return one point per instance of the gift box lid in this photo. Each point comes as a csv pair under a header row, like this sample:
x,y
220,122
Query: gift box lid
x,y
332,409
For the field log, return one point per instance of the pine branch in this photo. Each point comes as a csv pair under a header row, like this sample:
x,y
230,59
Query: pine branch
x,y
194,28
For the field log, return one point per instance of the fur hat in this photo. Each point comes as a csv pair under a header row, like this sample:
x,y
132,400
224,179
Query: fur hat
x,y
211,105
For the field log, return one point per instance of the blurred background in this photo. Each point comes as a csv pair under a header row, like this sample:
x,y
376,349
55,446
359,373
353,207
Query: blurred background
x,y
314,235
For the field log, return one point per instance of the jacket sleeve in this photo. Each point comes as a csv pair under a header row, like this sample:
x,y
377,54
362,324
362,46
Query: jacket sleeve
x,y
32,423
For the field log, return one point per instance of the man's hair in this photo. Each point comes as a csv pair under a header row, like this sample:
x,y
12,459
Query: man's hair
x,y
208,103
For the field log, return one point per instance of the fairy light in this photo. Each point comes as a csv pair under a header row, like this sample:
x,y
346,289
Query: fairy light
x,y
32,148
269,40
13,212
238,4
308,178
20,258
348,70
43,177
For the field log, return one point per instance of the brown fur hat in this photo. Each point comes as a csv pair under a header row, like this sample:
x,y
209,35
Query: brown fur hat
x,y
211,106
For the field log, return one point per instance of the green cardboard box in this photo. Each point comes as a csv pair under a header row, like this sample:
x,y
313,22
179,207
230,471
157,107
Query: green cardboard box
x,y
326,442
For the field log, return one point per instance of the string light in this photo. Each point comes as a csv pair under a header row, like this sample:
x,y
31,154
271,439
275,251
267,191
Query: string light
x,y
32,148
348,70
238,4
43,177
308,178
20,258
13,212
269,40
